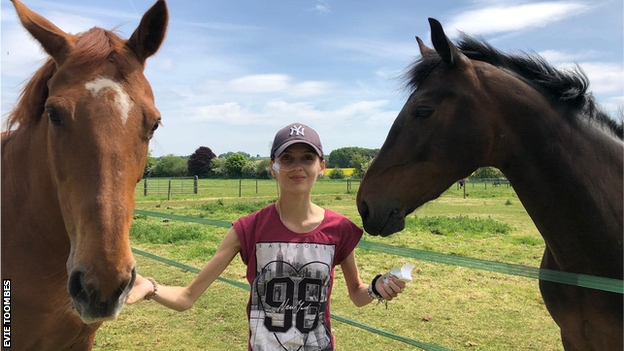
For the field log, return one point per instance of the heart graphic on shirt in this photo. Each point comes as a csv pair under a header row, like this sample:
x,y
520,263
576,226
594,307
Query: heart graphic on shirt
x,y
293,300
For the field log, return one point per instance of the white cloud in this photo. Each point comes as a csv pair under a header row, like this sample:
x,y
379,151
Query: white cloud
x,y
72,23
278,112
604,78
229,112
20,53
261,83
225,27
321,9
267,84
553,56
380,49
8,16
309,88
500,18
165,64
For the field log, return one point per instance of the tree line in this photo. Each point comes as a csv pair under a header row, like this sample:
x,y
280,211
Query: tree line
x,y
206,164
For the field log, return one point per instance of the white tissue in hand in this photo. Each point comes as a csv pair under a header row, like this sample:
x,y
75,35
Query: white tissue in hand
x,y
404,273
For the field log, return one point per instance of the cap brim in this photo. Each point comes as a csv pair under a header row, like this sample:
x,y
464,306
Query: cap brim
x,y
284,146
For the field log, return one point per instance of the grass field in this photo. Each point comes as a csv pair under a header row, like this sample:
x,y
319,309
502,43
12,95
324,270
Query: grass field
x,y
453,307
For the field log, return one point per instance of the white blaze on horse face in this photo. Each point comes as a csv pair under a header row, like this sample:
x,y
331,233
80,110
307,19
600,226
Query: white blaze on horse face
x,y
122,100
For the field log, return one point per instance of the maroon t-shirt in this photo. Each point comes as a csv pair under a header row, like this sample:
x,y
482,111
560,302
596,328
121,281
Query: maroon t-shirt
x,y
291,276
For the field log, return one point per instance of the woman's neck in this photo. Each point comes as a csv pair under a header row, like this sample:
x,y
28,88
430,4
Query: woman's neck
x,y
298,213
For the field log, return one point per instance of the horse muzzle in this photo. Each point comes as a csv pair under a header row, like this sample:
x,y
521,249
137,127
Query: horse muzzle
x,y
382,222
88,302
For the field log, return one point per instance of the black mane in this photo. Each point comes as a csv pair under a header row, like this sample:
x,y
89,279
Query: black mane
x,y
568,87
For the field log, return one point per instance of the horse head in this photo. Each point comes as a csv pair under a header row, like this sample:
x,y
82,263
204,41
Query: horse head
x,y
420,157
96,124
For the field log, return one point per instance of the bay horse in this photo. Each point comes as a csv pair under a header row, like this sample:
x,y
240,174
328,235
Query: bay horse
x,y
74,148
473,106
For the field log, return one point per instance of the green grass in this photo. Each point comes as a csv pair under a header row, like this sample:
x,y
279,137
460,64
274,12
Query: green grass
x,y
450,306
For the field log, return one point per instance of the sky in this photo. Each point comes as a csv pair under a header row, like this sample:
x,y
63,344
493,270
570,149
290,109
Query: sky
x,y
230,74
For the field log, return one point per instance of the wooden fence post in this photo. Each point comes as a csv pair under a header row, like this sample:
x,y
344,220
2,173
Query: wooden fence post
x,y
195,184
256,186
145,187
169,191
240,187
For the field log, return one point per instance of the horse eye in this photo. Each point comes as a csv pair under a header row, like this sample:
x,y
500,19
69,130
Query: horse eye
x,y
155,126
423,112
54,116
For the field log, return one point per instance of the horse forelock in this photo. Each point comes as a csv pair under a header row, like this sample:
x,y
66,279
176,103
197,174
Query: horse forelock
x,y
91,48
568,87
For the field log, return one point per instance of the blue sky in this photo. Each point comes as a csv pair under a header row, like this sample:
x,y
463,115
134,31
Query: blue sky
x,y
231,73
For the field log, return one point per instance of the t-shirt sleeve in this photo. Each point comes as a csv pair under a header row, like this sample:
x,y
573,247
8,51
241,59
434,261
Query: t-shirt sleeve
x,y
239,225
350,237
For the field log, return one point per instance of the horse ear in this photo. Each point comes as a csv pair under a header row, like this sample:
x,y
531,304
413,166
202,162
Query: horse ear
x,y
148,37
53,40
424,49
445,48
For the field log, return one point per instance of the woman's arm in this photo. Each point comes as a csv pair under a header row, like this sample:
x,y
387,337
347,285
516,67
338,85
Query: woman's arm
x,y
182,298
357,289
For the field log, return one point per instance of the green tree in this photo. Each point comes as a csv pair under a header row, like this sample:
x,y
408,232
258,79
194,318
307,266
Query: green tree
x,y
341,158
199,162
488,172
336,173
249,170
234,165
262,169
230,153
169,166
217,168
360,164
149,163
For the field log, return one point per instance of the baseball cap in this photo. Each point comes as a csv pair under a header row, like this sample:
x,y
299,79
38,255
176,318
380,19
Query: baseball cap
x,y
293,134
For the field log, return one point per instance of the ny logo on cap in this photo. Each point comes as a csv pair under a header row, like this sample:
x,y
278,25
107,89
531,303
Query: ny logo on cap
x,y
299,130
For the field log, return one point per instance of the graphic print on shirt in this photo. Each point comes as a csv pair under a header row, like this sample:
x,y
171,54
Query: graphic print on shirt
x,y
289,297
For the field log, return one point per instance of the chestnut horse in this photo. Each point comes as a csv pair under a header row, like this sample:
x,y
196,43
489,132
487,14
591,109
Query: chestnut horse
x,y
74,149
472,106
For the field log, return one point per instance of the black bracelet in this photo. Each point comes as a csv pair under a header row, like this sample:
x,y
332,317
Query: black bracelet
x,y
373,288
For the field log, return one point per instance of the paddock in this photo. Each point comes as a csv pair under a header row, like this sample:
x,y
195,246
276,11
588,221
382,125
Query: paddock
x,y
448,307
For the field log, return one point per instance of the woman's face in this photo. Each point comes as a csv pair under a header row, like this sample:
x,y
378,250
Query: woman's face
x,y
299,167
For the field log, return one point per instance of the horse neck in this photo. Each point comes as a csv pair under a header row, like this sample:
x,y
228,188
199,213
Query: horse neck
x,y
29,197
569,178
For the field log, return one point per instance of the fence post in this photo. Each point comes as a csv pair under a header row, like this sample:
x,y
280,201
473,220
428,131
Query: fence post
x,y
240,187
464,189
256,186
145,187
195,184
169,191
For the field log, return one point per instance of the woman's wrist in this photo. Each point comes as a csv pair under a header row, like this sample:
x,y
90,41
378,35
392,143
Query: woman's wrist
x,y
154,289
372,290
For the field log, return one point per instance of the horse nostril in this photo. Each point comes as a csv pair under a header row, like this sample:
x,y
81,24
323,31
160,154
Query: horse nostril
x,y
77,289
126,285
363,209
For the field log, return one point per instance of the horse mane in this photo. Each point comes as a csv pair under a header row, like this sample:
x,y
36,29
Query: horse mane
x,y
91,48
568,87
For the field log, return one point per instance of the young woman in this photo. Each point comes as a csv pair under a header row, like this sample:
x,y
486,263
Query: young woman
x,y
290,249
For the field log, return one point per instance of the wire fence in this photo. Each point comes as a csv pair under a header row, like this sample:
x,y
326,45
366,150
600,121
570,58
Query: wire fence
x,y
191,186
582,280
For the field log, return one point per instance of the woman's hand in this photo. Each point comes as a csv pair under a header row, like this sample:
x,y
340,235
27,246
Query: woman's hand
x,y
141,288
390,290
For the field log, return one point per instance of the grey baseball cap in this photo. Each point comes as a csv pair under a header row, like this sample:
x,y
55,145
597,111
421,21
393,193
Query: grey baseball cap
x,y
293,134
